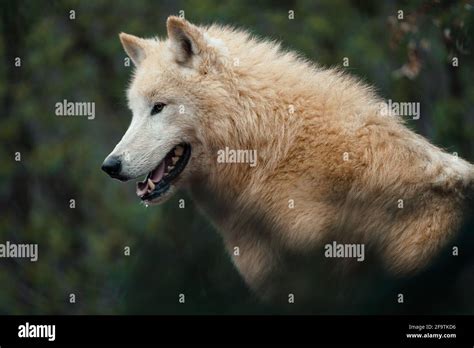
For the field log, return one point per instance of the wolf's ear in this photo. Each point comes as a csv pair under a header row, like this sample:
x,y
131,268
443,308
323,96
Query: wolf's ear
x,y
134,46
186,39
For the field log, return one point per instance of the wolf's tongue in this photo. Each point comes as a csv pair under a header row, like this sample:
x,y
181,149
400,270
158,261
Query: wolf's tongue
x,y
155,176
158,172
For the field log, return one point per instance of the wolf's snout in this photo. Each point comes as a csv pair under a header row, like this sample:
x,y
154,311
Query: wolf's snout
x,y
113,166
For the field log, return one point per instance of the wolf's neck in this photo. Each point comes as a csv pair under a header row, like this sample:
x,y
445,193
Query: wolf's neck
x,y
246,148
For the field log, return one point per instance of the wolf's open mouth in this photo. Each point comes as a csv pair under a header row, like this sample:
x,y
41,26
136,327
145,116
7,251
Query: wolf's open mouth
x,y
158,181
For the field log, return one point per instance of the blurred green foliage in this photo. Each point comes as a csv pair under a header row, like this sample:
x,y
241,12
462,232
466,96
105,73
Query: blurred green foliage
x,y
174,250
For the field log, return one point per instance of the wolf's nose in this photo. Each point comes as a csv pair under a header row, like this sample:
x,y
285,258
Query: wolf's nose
x,y
112,166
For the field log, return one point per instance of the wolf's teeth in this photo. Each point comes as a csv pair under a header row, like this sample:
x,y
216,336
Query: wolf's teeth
x,y
174,159
151,184
178,151
170,168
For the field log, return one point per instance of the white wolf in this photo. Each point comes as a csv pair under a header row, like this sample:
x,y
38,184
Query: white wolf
x,y
329,167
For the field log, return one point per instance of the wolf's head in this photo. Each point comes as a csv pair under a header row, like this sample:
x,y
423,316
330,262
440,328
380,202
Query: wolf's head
x,y
168,99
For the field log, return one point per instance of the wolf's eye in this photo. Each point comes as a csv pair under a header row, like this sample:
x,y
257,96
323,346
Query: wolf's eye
x,y
157,108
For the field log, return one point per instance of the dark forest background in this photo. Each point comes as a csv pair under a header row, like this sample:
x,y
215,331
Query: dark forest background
x,y
172,250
